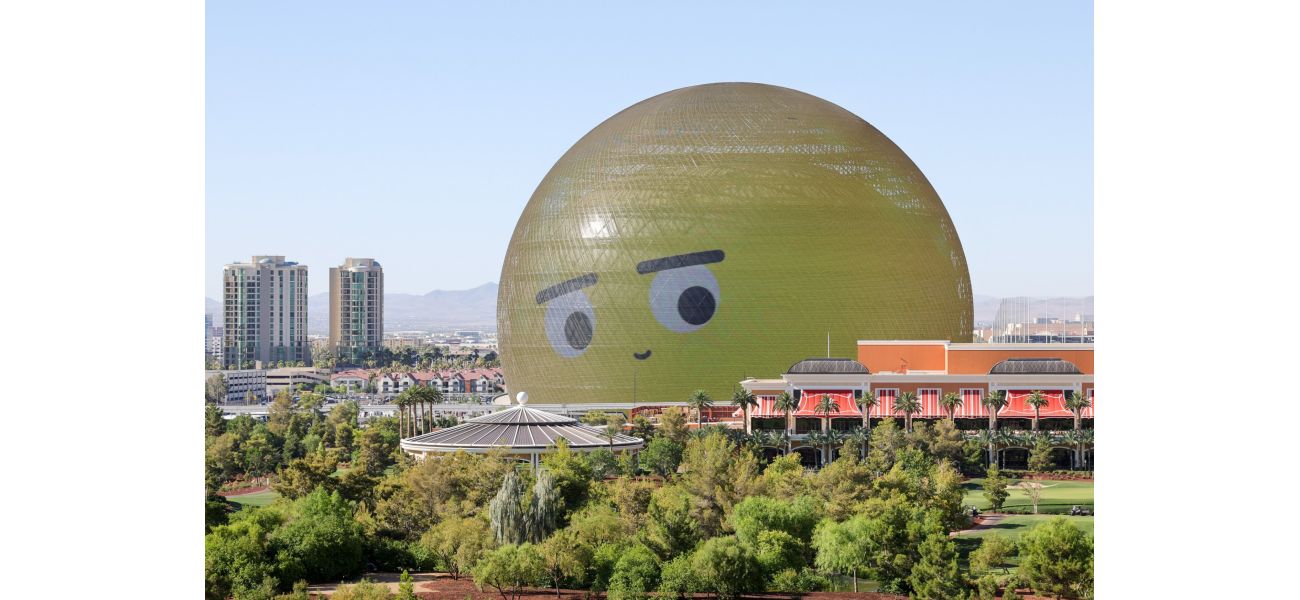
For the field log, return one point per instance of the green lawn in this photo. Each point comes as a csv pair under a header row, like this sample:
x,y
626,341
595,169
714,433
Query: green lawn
x,y
1058,496
261,498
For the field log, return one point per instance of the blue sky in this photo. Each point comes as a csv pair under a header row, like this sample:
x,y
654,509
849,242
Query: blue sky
x,y
415,132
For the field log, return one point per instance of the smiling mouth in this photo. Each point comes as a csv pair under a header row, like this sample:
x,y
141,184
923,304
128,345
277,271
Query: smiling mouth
x,y
641,355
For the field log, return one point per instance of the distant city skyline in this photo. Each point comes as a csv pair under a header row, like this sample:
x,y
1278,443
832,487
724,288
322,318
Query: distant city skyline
x,y
415,135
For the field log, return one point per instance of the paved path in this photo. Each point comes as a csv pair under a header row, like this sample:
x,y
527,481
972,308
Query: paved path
x,y
984,521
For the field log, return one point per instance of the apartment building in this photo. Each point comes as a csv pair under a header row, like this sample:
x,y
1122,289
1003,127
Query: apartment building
x,y
356,308
265,312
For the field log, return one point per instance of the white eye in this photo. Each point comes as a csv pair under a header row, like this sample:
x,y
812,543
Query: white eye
x,y
570,323
684,299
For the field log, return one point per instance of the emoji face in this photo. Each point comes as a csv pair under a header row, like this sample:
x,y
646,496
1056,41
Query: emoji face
x,y
720,232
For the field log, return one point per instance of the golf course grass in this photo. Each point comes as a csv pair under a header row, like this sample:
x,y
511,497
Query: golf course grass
x,y
1058,496
261,498
1014,526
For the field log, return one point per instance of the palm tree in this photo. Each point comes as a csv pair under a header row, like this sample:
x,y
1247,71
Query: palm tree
x,y
825,406
860,437
950,402
994,401
1076,403
867,402
400,401
786,405
832,438
818,440
745,400
613,426
699,401
908,405
1037,400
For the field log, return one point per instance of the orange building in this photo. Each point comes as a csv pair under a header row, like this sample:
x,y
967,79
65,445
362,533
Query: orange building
x,y
930,369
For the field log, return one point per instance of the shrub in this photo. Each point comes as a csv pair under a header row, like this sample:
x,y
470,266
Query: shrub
x,y
726,567
510,568
986,588
802,581
1057,559
992,553
676,580
363,590
635,574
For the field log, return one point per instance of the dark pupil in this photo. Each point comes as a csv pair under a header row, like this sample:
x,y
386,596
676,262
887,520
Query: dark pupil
x,y
696,305
577,330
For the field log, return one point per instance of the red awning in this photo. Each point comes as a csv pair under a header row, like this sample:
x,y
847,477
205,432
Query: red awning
x,y
844,404
1018,407
766,409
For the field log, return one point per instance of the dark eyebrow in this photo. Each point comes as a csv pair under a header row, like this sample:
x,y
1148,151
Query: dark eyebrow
x,y
565,287
679,261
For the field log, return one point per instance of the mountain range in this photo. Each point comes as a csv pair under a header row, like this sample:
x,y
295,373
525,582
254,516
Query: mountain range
x,y
476,308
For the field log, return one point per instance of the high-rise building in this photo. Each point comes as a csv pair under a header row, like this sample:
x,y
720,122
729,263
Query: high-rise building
x,y
356,308
265,312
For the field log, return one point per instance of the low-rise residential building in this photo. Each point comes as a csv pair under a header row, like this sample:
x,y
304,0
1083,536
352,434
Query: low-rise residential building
x,y
354,380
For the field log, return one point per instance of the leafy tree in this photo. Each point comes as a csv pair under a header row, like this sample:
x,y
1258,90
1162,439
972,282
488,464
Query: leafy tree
x,y
992,553
280,413
321,541
784,477
727,567
776,550
602,463
632,499
509,569
671,528
572,476
302,476
1033,490
635,574
238,555
936,576
839,549
458,543
757,514
841,487
642,427
891,531
886,441
1057,558
995,488
599,523
661,456
214,424
214,389
699,401
947,442
676,580
672,425
1040,454
565,557
716,477
544,505
509,523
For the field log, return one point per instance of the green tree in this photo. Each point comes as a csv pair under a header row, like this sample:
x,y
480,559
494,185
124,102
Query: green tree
x,y
777,551
544,505
672,424
239,555
509,569
908,405
613,427
785,405
676,580
746,400
321,541
936,576
635,574
565,557
573,478
406,587
699,401
1036,400
457,543
886,441
993,553
1040,454
214,389
671,528
1076,403
994,402
784,478
841,487
716,476
757,514
866,403
995,488
509,523
727,567
280,413
214,423
826,407
661,456
950,403
839,549
302,476
1057,558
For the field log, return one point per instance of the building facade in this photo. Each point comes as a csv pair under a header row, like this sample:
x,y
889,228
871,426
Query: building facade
x,y
289,378
930,370
265,312
240,383
356,308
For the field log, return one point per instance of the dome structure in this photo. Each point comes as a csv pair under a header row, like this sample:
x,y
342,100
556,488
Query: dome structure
x,y
707,234
521,431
